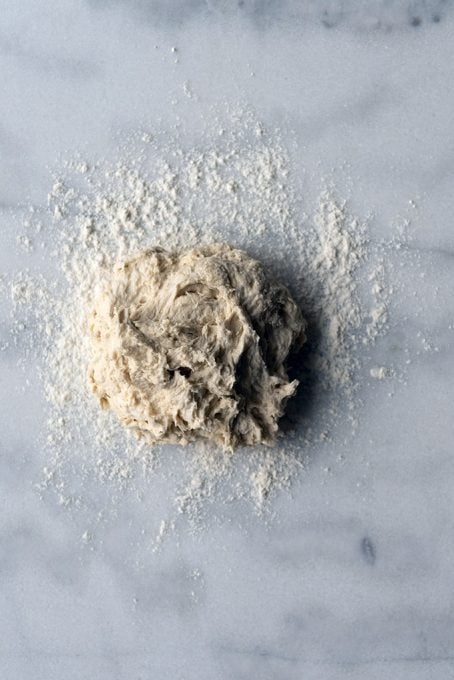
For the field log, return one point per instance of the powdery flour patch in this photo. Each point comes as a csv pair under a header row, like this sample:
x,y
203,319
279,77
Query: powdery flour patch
x,y
236,187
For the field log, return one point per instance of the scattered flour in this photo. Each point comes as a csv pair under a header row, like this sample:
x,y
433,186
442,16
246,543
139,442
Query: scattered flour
x,y
235,186
381,372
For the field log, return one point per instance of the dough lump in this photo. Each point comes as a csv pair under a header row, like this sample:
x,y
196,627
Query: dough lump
x,y
193,345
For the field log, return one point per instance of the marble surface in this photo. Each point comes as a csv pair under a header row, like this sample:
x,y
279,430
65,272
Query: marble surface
x,y
354,576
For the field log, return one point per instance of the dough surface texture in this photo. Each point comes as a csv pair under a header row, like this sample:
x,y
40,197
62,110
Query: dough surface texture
x,y
193,345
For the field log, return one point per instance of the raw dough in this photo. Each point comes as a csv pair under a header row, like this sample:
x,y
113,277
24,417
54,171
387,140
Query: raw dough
x,y
194,346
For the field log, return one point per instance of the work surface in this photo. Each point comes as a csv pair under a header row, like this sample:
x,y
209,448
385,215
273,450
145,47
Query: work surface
x,y
350,576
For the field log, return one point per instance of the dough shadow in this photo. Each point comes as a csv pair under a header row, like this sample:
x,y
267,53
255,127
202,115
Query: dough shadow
x,y
302,406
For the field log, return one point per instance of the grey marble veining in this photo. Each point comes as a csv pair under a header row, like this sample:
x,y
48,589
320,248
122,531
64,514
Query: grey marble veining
x,y
353,578
383,15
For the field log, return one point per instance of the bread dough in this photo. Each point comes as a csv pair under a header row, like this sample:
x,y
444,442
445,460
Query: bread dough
x,y
194,346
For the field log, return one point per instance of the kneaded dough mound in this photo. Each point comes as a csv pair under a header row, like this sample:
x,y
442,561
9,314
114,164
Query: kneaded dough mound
x,y
193,346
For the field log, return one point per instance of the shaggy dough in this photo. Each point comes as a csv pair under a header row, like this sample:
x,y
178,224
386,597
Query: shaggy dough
x,y
194,345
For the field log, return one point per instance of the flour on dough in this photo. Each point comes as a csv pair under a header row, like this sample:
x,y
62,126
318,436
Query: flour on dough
x,y
193,345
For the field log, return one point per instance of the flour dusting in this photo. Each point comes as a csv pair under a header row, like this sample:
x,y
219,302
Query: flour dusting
x,y
236,186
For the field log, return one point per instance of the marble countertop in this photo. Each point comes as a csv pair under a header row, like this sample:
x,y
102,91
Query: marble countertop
x,y
354,576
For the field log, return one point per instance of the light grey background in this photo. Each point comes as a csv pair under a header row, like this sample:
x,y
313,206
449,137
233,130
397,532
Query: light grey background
x,y
354,579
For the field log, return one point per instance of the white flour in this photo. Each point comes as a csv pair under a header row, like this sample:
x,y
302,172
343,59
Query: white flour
x,y
235,187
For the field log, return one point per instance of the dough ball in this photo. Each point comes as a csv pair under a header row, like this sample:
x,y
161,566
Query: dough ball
x,y
189,346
